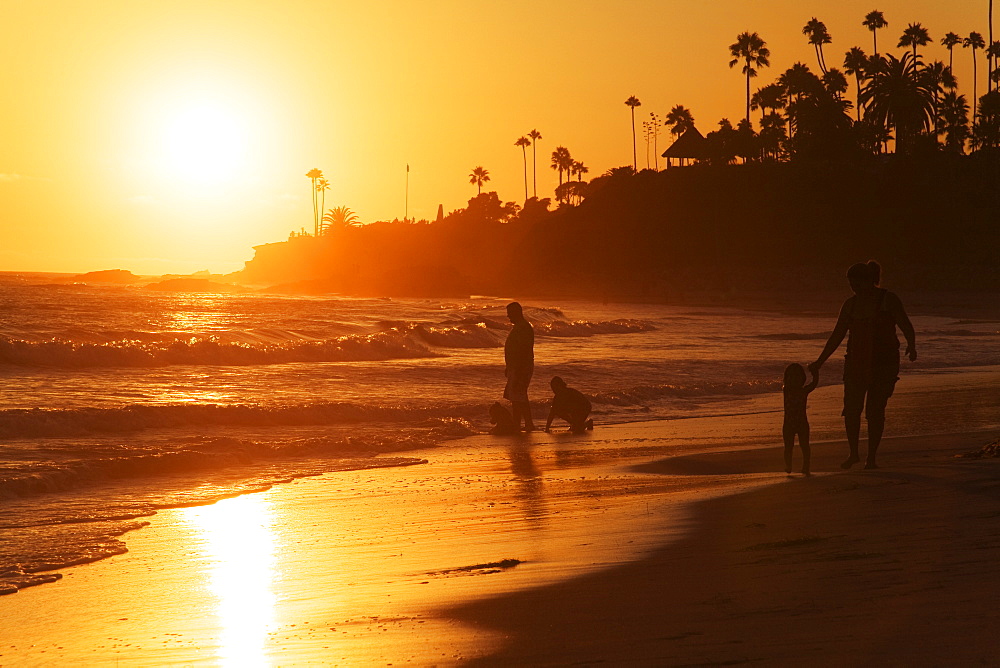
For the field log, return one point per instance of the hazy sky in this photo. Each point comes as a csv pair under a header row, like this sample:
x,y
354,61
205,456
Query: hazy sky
x,y
173,136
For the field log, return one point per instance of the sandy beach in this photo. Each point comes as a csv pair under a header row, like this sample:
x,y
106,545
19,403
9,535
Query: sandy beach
x,y
647,543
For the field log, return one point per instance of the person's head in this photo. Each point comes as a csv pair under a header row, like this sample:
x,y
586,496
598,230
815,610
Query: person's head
x,y
514,312
557,384
864,276
795,375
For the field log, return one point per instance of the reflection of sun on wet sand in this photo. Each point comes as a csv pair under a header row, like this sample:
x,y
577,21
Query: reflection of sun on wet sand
x,y
635,543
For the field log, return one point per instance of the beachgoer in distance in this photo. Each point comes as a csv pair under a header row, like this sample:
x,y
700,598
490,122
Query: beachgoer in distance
x,y
796,422
519,357
570,405
871,366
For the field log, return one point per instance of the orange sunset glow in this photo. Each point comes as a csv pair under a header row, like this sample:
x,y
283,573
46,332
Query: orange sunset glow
x,y
548,333
171,137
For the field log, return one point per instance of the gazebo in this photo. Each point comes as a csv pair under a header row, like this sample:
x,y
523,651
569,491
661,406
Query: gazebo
x,y
690,145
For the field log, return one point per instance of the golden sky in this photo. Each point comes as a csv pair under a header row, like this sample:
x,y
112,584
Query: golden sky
x,y
171,136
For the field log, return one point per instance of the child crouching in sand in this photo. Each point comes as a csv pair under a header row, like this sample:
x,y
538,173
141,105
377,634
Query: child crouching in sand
x,y
796,423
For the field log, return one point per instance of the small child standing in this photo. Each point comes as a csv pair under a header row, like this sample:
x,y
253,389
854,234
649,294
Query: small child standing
x,y
796,423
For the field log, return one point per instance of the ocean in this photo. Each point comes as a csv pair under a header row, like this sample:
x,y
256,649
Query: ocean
x,y
116,401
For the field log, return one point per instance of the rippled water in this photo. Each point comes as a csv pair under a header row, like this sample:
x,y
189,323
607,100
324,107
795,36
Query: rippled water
x,y
115,401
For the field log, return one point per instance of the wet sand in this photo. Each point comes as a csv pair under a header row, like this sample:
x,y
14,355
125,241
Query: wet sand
x,y
651,543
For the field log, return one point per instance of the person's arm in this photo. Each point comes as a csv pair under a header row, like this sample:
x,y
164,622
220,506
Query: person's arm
x,y
905,326
552,415
836,338
815,381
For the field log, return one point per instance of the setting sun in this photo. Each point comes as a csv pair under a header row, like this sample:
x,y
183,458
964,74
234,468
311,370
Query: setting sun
x,y
204,143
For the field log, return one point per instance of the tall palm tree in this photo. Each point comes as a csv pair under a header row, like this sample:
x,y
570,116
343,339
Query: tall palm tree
x,y
750,49
524,142
950,41
322,185
561,161
632,102
897,97
856,64
992,53
915,35
580,169
535,136
679,119
937,76
818,35
339,217
873,21
798,82
314,175
974,41
478,177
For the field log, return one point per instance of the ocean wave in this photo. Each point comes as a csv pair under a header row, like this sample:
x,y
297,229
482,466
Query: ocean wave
x,y
70,422
958,332
560,328
391,344
642,394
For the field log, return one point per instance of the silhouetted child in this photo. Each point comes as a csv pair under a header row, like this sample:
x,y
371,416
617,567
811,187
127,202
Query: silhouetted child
x,y
796,423
570,405
502,420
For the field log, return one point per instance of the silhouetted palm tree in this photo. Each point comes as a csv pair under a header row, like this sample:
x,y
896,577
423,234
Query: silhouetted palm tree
x,y
524,142
798,81
986,132
680,120
750,49
314,175
771,96
974,41
896,96
937,76
953,121
322,185
580,169
561,161
856,64
339,217
835,82
632,102
818,35
915,35
992,53
535,136
478,177
873,21
950,41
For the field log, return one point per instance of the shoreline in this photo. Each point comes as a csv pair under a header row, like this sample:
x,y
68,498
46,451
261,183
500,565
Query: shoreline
x,y
418,555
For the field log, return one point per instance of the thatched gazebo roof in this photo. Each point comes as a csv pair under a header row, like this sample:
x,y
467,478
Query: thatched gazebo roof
x,y
691,144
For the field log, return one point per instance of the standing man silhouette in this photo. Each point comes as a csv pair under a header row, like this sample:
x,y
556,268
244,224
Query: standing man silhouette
x,y
869,319
519,357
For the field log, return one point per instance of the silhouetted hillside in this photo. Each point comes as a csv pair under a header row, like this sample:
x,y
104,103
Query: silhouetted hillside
x,y
718,230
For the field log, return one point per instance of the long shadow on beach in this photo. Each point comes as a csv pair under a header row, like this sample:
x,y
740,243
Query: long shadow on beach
x,y
876,566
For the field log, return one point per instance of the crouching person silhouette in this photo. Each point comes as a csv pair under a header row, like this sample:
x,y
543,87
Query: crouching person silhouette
x,y
570,405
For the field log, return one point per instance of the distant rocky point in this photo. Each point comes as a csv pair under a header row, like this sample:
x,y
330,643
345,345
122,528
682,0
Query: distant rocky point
x,y
118,276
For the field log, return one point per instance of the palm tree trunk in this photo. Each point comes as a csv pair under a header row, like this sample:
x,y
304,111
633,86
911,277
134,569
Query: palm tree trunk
x,y
315,217
875,41
635,162
322,205
524,156
974,98
748,90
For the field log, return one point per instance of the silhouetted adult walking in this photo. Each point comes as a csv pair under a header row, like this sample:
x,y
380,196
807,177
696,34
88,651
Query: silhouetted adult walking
x,y
871,366
519,356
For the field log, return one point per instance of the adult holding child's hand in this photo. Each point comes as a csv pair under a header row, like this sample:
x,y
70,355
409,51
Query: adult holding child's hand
x,y
871,367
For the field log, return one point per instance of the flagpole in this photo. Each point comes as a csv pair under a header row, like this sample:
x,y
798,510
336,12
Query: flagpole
x,y
406,214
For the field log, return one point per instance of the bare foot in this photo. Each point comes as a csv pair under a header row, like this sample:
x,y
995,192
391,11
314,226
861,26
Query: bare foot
x,y
871,465
806,474
849,462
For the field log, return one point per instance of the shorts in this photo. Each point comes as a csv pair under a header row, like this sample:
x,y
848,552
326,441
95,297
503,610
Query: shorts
x,y
869,391
518,379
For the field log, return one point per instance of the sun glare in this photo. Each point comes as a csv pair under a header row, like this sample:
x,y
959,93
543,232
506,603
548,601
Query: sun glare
x,y
238,547
204,143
